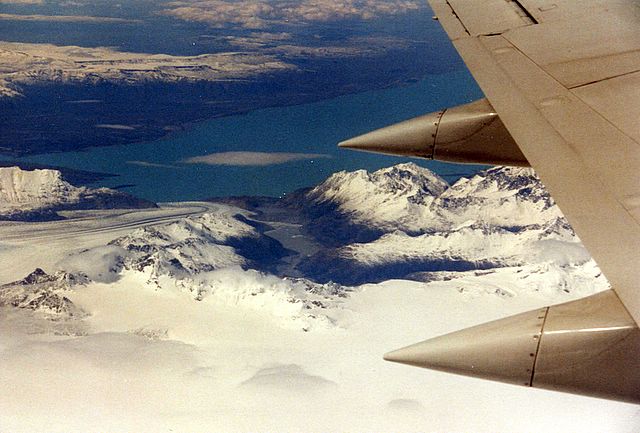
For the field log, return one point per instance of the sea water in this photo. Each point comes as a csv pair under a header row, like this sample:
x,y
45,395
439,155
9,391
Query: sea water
x,y
157,170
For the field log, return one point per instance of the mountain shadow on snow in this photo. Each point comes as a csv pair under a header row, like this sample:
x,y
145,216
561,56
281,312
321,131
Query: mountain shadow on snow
x,y
404,220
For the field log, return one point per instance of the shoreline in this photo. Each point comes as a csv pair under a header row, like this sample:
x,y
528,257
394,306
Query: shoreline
x,y
123,114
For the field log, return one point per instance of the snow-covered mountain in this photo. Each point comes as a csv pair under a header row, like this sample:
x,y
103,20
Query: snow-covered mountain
x,y
399,222
397,197
413,199
220,257
501,196
200,308
41,291
220,238
415,222
29,63
199,244
39,194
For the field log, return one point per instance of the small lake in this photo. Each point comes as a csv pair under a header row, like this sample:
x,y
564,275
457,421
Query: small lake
x,y
156,170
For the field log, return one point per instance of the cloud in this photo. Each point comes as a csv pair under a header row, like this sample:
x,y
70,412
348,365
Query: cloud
x,y
252,14
349,47
288,378
115,126
266,36
66,18
252,158
151,164
220,13
22,2
406,405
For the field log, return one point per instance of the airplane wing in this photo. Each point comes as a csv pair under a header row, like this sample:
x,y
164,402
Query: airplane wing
x,y
562,86
564,77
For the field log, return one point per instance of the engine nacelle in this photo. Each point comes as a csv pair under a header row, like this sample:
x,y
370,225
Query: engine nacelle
x,y
471,133
590,346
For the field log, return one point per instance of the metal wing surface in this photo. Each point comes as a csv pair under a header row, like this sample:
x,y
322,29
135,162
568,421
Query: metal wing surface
x,y
564,77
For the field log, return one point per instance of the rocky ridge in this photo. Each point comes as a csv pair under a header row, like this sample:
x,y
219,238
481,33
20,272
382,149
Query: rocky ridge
x,y
45,294
198,244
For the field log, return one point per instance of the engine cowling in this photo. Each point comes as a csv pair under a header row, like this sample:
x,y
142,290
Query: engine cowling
x,y
471,133
590,346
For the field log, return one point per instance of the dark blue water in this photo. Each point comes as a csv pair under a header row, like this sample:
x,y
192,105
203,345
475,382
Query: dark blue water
x,y
309,128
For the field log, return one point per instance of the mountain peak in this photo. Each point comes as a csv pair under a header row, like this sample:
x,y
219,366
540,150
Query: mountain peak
x,y
409,176
387,196
503,196
19,187
44,292
399,180
38,194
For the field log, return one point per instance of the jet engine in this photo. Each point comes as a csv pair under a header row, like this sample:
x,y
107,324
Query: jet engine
x,y
471,133
589,346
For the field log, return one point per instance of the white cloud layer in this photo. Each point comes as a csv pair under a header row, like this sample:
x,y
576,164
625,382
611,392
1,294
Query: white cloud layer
x,y
158,361
260,14
252,158
66,18
22,2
